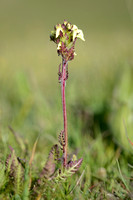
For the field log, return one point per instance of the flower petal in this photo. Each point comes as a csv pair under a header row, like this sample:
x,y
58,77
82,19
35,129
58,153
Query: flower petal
x,y
74,34
80,34
74,27
58,29
59,45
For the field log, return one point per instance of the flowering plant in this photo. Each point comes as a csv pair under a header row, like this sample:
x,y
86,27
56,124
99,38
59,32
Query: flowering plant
x,y
65,36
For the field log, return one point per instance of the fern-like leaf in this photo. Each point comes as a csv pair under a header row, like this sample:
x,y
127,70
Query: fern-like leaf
x,y
61,139
70,169
50,165
9,161
15,171
18,179
2,175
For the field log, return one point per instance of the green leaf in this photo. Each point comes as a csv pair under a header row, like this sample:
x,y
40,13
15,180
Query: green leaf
x,y
70,169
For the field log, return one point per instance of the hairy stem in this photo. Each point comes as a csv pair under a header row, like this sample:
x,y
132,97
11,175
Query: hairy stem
x,y
63,80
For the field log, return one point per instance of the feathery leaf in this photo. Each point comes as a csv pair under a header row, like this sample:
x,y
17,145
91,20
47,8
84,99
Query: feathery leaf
x,y
50,165
70,169
62,139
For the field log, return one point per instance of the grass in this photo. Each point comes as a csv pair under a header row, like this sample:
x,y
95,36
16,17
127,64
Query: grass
x,y
92,126
99,98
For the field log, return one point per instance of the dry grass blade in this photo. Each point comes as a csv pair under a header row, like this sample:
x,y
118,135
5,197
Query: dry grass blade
x,y
127,134
38,197
122,175
31,160
33,152
78,181
19,140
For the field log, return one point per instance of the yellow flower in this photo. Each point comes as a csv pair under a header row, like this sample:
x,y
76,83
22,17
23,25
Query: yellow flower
x,y
64,35
77,33
58,29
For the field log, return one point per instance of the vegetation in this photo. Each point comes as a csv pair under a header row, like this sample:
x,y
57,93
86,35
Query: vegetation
x,y
98,100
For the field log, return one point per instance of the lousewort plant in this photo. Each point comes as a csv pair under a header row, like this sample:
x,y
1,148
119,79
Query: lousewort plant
x,y
16,179
65,36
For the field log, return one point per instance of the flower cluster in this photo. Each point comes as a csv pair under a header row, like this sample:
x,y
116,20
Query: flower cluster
x,y
65,35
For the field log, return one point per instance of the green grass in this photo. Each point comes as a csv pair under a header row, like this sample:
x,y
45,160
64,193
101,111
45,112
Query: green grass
x,y
99,97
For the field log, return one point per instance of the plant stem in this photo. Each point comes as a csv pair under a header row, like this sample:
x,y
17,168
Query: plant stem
x,y
63,83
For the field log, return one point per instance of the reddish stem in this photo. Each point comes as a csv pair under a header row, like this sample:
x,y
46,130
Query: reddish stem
x,y
63,83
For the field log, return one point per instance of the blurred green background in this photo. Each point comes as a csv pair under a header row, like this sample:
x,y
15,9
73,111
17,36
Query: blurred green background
x,y
100,86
